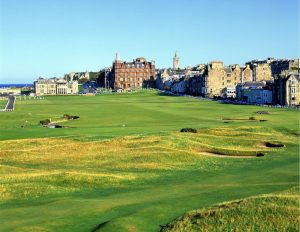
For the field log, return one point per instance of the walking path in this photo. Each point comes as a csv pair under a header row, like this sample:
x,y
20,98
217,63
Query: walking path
x,y
10,106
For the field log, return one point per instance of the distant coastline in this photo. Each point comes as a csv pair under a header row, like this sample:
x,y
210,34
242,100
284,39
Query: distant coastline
x,y
15,85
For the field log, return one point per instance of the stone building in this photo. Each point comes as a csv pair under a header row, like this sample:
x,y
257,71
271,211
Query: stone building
x,y
261,70
278,66
176,62
55,86
287,89
213,79
131,75
246,74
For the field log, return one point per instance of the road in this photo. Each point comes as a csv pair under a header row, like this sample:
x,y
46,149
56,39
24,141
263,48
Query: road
x,y
11,103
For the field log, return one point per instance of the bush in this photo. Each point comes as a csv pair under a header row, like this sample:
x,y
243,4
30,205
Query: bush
x,y
191,130
252,118
262,112
70,117
45,122
66,116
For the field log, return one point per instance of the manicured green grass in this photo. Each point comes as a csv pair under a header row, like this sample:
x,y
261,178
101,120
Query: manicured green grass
x,y
270,212
114,115
3,104
123,165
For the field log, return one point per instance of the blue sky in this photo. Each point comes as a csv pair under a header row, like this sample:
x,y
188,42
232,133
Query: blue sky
x,y
52,37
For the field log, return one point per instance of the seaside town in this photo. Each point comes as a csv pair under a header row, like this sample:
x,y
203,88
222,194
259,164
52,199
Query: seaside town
x,y
261,82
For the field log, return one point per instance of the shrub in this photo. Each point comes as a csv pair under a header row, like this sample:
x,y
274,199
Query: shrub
x,y
66,116
45,122
252,118
262,112
191,130
70,117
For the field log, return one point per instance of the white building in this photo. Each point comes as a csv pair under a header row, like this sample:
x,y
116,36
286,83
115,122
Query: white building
x,y
258,96
229,92
55,86
10,91
255,92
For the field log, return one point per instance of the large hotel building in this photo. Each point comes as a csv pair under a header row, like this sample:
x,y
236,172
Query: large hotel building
x,y
131,75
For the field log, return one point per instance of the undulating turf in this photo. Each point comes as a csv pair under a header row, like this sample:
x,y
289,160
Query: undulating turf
x,y
269,212
124,165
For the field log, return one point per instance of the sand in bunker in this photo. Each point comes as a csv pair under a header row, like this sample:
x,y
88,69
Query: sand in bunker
x,y
211,154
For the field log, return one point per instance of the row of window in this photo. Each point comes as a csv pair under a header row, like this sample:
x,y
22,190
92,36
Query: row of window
x,y
132,70
125,86
135,65
130,79
49,86
132,75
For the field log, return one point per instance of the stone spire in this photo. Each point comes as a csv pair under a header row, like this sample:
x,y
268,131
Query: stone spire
x,y
118,56
176,62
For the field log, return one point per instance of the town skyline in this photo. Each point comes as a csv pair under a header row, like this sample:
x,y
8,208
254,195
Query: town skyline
x,y
29,81
51,38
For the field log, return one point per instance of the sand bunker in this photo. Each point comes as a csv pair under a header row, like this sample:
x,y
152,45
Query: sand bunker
x,y
212,154
270,144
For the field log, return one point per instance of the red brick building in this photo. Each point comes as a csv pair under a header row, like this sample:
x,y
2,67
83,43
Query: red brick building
x,y
131,75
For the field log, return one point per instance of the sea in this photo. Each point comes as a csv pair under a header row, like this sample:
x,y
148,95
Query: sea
x,y
15,85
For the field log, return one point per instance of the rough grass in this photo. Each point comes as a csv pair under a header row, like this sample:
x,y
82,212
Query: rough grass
x,y
268,212
32,168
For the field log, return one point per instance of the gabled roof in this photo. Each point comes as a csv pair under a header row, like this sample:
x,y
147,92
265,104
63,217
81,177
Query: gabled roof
x,y
254,84
296,75
228,69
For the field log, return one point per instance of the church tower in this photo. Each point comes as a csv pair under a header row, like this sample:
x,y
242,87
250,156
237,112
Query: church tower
x,y
176,62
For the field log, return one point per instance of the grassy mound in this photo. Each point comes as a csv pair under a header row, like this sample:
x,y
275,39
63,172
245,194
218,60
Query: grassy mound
x,y
271,212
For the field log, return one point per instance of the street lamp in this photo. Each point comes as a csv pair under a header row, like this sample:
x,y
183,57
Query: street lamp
x,y
105,73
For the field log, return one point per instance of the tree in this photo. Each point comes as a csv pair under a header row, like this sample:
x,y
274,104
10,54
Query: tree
x,y
83,80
